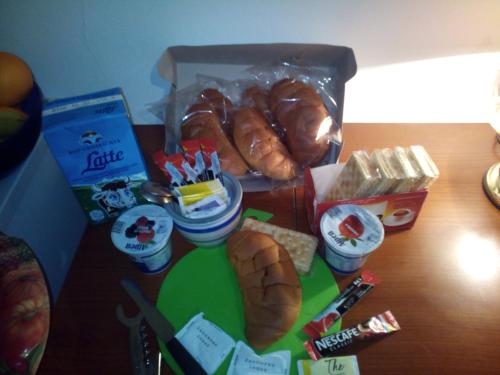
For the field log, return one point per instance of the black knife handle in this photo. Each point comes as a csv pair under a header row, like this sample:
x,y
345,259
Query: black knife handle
x,y
184,359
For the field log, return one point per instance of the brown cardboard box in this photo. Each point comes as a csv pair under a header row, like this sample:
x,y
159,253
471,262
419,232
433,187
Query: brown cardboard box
x,y
181,64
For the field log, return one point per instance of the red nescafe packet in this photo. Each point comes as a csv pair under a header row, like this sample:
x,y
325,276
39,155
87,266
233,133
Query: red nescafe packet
x,y
358,288
377,326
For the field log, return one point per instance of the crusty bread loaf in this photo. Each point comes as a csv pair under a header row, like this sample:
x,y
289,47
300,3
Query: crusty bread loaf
x,y
299,109
260,146
271,289
202,121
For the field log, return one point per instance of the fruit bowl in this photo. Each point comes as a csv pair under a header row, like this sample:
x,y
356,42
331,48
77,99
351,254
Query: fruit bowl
x,y
24,308
15,148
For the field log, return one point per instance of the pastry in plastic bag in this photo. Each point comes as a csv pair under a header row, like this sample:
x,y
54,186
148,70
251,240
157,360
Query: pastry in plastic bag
x,y
299,109
202,121
221,103
258,98
260,146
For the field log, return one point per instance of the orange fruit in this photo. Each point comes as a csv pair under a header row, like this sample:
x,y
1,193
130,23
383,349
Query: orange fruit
x,y
16,79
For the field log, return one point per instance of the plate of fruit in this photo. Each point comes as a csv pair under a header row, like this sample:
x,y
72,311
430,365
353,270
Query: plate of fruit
x,y
24,308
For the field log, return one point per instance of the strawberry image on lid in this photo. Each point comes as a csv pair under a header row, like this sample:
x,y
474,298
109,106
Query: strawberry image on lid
x,y
351,227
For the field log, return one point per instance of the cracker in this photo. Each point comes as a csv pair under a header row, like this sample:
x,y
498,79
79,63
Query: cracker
x,y
357,178
422,162
300,246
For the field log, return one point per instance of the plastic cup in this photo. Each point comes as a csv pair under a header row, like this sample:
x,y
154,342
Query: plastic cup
x,y
144,234
351,233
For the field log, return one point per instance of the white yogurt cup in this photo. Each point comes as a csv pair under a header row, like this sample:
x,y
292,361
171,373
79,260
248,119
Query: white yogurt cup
x,y
350,233
143,233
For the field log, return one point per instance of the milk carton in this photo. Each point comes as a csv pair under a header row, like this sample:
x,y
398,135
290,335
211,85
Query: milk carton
x,y
91,138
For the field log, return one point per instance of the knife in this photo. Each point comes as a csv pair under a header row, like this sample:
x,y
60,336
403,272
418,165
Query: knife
x,y
163,329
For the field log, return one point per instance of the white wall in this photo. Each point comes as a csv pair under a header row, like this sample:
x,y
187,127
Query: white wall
x,y
81,46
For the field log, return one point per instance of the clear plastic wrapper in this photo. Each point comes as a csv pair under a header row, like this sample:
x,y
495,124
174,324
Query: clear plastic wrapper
x,y
410,178
296,124
423,163
389,179
357,179
304,107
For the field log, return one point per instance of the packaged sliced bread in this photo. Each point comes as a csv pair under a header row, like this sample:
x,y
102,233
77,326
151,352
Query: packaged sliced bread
x,y
423,163
300,246
356,180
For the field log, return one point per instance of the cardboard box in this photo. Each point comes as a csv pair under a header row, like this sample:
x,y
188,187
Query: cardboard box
x,y
92,139
396,211
181,64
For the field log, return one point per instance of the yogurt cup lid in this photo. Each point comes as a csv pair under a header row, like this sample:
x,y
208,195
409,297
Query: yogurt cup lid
x,y
351,230
142,229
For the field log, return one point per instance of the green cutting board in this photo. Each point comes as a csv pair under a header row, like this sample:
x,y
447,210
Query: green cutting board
x,y
204,281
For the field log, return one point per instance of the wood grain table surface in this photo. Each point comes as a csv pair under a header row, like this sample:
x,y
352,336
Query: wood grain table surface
x,y
441,279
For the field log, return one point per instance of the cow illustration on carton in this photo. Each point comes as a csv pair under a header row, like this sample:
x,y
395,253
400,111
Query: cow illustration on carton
x,y
114,196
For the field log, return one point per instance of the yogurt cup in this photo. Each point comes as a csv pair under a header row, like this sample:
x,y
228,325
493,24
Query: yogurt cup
x,y
351,233
144,234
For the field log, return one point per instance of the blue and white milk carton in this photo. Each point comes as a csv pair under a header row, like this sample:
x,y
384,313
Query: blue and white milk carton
x,y
91,138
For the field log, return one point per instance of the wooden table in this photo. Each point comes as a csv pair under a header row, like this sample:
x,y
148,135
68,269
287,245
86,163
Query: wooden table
x,y
441,279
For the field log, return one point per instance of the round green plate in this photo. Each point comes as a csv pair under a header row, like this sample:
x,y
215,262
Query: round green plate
x,y
204,281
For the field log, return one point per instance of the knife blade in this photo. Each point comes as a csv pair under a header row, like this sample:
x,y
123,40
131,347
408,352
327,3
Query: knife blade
x,y
163,329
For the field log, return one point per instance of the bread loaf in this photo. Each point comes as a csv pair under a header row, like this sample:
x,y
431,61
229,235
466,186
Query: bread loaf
x,y
201,121
270,286
260,146
299,109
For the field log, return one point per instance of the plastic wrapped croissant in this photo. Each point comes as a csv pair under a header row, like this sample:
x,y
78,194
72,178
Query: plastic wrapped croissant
x,y
299,109
260,146
203,121
271,289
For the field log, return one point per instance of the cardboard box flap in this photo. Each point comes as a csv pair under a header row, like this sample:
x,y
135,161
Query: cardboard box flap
x,y
320,55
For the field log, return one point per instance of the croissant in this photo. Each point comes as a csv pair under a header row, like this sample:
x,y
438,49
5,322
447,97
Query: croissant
x,y
201,121
260,146
299,109
258,98
222,105
269,283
